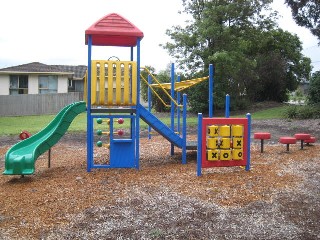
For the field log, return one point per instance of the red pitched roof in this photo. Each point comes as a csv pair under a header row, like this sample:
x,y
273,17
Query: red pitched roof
x,y
114,30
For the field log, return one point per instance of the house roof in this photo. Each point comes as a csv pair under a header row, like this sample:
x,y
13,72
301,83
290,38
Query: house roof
x,y
34,67
113,30
78,72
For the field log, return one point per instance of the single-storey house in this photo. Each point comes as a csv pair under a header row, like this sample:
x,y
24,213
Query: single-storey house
x,y
39,78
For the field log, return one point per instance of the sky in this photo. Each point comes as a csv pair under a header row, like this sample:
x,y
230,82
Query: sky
x,y
53,32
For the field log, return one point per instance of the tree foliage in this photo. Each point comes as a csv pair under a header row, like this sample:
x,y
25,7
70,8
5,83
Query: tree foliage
x,y
253,59
306,13
314,89
162,77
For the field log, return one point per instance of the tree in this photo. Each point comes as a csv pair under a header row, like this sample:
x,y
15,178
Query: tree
x,y
314,89
237,37
306,13
280,66
162,77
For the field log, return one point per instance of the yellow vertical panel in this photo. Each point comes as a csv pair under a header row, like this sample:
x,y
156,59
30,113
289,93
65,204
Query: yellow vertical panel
x,y
134,82
126,84
120,80
110,83
101,83
118,83
93,82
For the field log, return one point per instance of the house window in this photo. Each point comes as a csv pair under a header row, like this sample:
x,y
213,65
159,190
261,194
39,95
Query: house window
x,y
18,84
71,85
48,84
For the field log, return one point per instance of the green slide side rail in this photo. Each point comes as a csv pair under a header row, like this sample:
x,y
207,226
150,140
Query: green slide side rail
x,y
20,158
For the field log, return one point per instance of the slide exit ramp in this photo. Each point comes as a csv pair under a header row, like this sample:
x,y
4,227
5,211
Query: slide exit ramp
x,y
20,158
160,127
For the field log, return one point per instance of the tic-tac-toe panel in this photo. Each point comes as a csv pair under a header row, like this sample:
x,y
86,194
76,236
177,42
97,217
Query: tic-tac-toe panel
x,y
224,142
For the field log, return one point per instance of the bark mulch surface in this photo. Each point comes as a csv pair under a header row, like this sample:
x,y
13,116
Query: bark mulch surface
x,y
277,199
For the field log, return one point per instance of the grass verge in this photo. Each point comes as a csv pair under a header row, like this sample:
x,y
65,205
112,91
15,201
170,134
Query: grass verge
x,y
33,124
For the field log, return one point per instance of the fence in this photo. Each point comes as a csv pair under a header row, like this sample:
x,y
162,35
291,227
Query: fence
x,y
36,104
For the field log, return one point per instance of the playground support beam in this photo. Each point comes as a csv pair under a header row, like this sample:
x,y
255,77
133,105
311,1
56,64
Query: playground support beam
x,y
199,151
149,104
178,107
184,130
172,105
131,53
137,135
248,115
227,110
89,121
211,86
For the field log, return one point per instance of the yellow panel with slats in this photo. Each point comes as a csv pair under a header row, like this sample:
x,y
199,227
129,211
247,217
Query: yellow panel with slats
x,y
113,83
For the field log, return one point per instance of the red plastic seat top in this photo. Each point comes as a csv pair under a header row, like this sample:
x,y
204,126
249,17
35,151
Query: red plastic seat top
x,y
302,136
310,140
262,135
287,140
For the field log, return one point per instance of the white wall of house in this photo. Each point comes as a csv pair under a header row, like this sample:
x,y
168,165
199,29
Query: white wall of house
x,y
33,84
62,84
4,84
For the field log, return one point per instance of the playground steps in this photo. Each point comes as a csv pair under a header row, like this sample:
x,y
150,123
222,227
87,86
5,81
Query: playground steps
x,y
160,127
192,145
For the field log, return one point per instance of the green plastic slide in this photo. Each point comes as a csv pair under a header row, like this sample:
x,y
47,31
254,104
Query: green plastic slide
x,y
20,158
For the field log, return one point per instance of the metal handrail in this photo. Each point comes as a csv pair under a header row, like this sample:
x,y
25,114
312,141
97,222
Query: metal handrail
x,y
149,85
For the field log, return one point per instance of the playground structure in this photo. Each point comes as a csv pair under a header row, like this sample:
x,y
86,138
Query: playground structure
x,y
114,110
113,92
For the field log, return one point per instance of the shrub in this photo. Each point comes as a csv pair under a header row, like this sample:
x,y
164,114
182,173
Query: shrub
x,y
302,112
241,103
316,110
306,112
291,112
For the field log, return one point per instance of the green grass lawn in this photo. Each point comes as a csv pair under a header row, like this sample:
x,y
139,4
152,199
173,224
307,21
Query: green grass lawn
x,y
271,113
33,124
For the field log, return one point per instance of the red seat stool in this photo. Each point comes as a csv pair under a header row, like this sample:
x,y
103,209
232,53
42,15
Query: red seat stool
x,y
24,135
262,136
288,141
310,140
302,137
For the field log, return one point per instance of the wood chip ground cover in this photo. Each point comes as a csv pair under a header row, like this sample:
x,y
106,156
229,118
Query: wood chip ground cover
x,y
277,199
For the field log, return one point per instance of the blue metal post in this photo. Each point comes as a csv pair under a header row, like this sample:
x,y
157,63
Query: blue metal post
x,y
184,130
89,120
248,115
149,104
137,135
211,86
172,105
178,108
227,110
131,53
199,150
